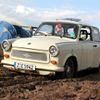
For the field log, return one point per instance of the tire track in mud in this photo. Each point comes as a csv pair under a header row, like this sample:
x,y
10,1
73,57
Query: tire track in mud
x,y
9,79
12,83
14,79
24,86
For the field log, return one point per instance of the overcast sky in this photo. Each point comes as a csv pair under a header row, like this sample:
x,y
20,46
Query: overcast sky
x,y
33,12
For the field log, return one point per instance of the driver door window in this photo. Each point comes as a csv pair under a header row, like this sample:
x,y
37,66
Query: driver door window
x,y
85,34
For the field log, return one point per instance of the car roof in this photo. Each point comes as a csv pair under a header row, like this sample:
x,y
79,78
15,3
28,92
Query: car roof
x,y
70,21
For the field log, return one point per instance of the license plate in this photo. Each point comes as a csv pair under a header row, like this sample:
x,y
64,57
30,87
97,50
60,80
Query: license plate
x,y
18,65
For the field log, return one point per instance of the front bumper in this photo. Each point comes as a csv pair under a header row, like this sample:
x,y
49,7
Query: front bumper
x,y
41,68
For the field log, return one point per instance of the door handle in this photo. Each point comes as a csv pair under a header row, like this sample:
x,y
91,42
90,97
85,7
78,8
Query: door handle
x,y
95,45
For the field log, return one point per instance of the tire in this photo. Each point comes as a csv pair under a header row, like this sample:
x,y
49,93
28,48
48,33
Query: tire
x,y
69,69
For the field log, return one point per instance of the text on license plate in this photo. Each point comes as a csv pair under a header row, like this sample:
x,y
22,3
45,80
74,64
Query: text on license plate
x,y
24,66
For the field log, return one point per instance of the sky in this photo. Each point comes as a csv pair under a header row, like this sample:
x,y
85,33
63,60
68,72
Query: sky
x,y
33,12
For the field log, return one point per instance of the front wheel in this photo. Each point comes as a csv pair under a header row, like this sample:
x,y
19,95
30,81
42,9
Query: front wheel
x,y
69,69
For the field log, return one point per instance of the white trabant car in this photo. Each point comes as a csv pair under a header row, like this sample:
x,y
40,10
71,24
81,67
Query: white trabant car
x,y
58,47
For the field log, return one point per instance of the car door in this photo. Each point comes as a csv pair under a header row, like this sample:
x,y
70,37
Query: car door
x,y
86,54
96,47
86,48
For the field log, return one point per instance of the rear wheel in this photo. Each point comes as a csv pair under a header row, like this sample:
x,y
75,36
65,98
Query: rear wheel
x,y
69,69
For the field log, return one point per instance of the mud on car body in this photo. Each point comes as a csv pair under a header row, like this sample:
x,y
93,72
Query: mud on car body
x,y
59,46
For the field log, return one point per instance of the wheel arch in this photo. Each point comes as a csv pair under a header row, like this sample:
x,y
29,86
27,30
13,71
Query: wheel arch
x,y
74,59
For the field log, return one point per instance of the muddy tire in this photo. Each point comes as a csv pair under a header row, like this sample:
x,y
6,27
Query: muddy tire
x,y
69,69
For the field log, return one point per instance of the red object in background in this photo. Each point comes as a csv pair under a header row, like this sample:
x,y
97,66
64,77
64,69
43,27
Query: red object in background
x,y
58,28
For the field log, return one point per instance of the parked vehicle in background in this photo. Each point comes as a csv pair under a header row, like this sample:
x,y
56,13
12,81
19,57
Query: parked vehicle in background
x,y
30,29
58,47
13,32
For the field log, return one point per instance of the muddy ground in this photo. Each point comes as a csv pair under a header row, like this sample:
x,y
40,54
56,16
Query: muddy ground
x,y
29,87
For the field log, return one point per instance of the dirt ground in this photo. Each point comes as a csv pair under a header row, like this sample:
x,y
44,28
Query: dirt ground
x,y
15,86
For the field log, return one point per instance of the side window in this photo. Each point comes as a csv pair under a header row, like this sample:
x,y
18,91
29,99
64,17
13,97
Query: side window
x,y
85,33
96,35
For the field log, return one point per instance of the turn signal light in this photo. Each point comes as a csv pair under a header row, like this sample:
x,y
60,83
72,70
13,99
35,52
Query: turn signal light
x,y
53,62
6,55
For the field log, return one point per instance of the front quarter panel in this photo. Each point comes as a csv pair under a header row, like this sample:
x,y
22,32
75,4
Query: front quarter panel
x,y
67,50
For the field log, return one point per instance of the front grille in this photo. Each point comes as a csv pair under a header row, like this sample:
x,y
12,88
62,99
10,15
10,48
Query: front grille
x,y
29,55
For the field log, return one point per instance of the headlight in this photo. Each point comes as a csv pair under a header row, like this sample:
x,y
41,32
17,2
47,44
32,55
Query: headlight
x,y
6,45
53,51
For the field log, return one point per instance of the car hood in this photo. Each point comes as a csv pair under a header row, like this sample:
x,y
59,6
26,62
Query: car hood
x,y
40,42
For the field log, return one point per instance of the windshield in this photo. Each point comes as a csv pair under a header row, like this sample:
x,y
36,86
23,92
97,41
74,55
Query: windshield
x,y
58,29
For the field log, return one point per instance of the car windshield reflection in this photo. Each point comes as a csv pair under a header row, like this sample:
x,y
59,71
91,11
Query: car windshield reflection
x,y
58,29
